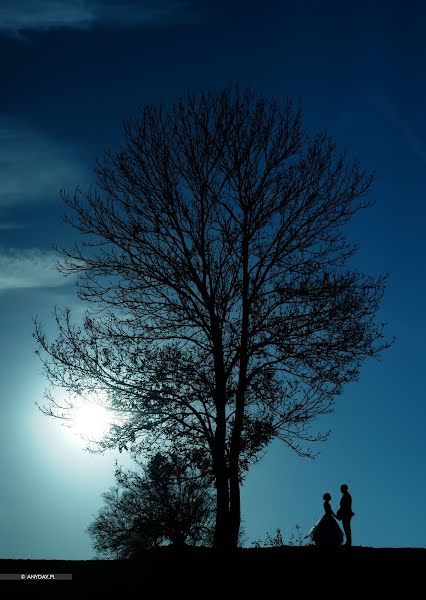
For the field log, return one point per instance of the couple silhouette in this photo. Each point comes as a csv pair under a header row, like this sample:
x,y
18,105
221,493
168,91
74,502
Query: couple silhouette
x,y
327,532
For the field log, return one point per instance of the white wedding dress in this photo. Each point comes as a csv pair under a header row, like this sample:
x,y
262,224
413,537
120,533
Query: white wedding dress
x,y
326,532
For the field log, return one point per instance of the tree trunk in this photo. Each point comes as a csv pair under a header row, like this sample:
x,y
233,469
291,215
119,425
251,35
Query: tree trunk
x,y
235,503
222,538
235,448
234,460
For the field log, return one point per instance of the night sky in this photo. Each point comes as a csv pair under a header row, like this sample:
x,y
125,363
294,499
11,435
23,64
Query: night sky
x,y
70,72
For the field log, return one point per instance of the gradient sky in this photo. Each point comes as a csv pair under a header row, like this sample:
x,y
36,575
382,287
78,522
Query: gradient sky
x,y
70,72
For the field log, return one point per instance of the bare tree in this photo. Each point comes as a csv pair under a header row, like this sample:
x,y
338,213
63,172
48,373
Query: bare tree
x,y
165,502
223,314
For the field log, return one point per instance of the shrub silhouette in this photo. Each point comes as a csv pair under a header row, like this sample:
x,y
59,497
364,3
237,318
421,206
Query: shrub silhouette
x,y
167,502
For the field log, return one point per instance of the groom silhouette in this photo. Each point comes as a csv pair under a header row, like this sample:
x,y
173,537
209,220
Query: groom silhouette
x,y
345,513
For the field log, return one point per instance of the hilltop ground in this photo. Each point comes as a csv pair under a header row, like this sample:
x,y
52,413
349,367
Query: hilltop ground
x,y
170,570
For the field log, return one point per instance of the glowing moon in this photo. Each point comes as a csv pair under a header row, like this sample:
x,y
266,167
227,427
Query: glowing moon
x,y
91,422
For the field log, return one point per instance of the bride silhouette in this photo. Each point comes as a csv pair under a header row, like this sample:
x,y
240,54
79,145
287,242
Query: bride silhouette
x,y
326,532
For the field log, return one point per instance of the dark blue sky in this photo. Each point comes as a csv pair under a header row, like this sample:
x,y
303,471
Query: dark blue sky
x,y
71,71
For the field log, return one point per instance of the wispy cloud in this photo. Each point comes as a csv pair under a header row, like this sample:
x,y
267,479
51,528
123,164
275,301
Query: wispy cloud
x,y
34,167
409,132
43,15
8,226
30,268
401,122
141,12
